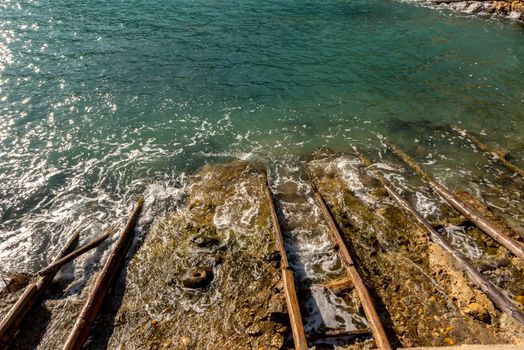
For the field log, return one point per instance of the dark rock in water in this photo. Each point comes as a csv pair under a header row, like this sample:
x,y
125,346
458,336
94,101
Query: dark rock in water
x,y
12,283
272,256
197,278
206,239
477,311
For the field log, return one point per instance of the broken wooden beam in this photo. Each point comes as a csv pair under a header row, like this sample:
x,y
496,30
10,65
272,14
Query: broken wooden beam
x,y
375,323
514,246
11,322
339,333
293,308
57,265
103,284
339,286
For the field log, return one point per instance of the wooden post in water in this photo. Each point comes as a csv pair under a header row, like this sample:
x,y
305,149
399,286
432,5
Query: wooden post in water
x,y
293,309
367,302
11,322
57,265
103,284
499,156
514,246
499,299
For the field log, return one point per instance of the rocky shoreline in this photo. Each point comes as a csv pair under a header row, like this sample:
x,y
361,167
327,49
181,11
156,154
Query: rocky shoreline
x,y
513,10
207,275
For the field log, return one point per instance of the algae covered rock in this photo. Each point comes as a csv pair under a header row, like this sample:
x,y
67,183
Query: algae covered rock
x,y
202,279
412,278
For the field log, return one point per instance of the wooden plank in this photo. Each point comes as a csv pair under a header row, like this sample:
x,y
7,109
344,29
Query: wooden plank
x,y
57,265
339,333
339,244
279,240
295,317
367,302
340,286
514,246
103,284
12,321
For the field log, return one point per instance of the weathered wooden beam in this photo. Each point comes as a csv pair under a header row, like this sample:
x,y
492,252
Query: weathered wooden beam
x,y
11,322
339,286
279,239
514,246
499,156
293,308
103,284
375,323
57,265
339,333
295,317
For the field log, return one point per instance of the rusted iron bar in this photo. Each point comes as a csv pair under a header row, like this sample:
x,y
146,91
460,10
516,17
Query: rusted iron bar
x,y
295,317
11,322
367,303
57,265
339,333
514,246
499,299
103,284
499,156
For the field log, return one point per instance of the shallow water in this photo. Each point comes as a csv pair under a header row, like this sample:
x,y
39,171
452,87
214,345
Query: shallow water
x,y
102,101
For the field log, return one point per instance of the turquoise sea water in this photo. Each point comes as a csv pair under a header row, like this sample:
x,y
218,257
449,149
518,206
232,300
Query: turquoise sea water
x,y
100,101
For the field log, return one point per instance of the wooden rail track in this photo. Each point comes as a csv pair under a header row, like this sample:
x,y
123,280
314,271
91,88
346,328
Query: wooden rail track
x,y
514,246
18,312
353,281
501,157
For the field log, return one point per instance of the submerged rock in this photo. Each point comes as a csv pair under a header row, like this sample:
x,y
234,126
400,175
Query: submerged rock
x,y
197,278
13,282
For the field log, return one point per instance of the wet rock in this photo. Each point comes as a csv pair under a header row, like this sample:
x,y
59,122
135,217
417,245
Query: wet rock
x,y
197,278
13,282
501,7
272,256
185,341
206,238
277,342
475,7
478,312
254,330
